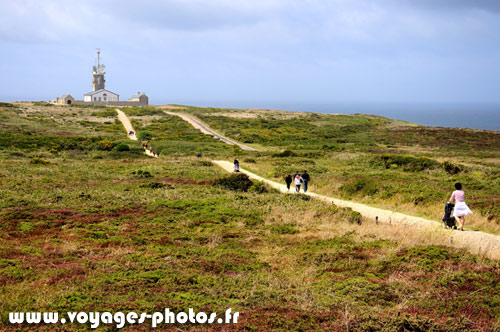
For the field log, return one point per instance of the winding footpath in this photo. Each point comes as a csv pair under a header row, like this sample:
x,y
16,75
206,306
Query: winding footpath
x,y
128,127
209,131
476,242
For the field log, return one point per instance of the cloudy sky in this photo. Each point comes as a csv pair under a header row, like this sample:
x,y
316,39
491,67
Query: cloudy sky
x,y
255,51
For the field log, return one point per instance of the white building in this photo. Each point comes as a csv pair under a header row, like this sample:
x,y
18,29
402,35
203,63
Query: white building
x,y
101,95
140,97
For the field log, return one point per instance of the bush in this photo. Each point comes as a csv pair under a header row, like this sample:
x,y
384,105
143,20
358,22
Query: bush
x,y
451,168
105,114
237,182
259,188
284,229
122,147
142,174
408,162
154,185
39,161
41,103
145,135
105,145
286,153
363,185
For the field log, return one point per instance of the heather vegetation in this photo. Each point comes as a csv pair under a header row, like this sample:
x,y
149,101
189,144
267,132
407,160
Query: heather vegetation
x,y
374,160
88,222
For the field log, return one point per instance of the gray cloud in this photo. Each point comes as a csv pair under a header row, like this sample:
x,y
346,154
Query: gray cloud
x,y
486,5
192,15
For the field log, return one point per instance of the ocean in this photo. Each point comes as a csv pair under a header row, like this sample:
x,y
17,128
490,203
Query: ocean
x,y
475,116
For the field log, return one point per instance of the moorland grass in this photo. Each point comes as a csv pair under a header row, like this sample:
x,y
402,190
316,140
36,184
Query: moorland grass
x,y
97,230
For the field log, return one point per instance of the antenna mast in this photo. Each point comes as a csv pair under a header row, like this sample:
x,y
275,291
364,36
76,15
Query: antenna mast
x,y
98,57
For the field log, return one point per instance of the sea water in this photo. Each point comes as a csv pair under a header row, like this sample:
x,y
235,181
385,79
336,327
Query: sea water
x,y
475,116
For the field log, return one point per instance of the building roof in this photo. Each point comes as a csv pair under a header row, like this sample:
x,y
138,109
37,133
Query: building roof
x,y
98,91
66,96
137,95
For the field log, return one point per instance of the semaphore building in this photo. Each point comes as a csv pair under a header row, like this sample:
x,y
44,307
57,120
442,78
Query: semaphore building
x,y
100,95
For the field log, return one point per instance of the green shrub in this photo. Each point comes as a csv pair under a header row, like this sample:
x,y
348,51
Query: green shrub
x,y
142,111
237,182
204,163
142,174
284,154
408,162
354,217
39,161
259,188
154,185
105,114
284,229
41,103
105,145
364,185
451,168
122,147
145,135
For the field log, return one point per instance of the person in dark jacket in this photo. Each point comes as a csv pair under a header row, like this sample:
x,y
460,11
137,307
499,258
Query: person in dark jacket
x,y
288,181
305,180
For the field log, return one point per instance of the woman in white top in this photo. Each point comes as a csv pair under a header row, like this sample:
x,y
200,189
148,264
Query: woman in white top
x,y
461,209
297,181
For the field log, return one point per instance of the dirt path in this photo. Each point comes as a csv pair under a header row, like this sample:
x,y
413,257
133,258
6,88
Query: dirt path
x,y
476,242
128,127
208,131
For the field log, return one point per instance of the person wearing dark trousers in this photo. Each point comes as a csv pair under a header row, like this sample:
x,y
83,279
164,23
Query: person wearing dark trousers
x,y
297,181
305,180
288,181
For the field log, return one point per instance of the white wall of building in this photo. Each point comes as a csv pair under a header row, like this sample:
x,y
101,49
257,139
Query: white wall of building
x,y
102,96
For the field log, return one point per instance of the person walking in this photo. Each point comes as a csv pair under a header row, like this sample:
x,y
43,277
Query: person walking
x,y
297,181
461,209
288,181
305,180
236,165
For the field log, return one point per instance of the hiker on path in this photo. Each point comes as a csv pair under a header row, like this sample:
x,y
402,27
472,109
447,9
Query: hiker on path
x,y
236,165
305,180
288,181
298,181
461,209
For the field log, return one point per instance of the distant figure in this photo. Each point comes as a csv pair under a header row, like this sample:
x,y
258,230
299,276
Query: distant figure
x,y
198,154
288,181
298,181
305,180
131,133
236,165
461,209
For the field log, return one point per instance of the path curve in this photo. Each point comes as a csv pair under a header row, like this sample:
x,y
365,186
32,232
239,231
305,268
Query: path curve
x,y
477,242
128,127
196,123
126,123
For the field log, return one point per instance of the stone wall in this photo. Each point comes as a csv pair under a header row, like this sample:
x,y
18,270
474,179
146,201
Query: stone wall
x,y
112,103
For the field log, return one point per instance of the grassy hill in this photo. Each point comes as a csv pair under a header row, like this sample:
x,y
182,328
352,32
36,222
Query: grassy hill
x,y
87,226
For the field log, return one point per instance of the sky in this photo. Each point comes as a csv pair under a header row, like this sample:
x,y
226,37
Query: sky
x,y
254,52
